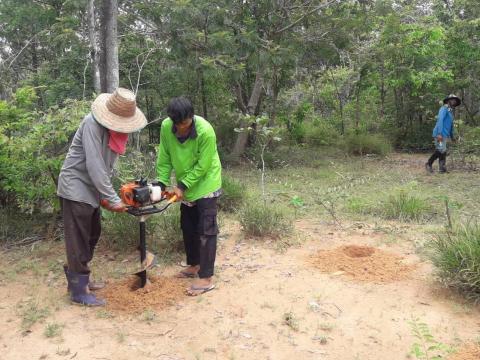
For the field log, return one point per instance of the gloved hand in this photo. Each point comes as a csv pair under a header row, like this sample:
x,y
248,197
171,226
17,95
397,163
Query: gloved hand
x,y
118,207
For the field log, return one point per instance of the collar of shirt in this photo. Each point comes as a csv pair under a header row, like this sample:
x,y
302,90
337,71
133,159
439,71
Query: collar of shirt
x,y
192,134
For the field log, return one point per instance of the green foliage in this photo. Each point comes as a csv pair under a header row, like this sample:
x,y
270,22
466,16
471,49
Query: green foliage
x,y
426,347
456,256
363,144
262,220
34,147
405,207
120,231
321,133
296,122
358,205
233,195
164,236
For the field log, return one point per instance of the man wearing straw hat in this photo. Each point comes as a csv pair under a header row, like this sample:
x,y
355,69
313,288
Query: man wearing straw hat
x,y
442,133
85,181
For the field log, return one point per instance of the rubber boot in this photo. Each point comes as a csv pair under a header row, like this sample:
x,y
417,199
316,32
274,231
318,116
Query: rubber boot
x,y
92,285
442,163
428,165
78,283
65,270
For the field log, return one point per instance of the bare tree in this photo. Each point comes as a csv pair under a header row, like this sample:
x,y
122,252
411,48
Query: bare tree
x,y
110,76
94,51
103,45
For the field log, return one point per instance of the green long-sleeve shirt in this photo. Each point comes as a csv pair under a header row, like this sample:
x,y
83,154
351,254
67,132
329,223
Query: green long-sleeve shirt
x,y
195,161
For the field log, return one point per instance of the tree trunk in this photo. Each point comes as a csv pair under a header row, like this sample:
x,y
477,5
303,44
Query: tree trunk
x,y
94,51
201,88
382,91
357,110
110,45
275,91
340,103
242,138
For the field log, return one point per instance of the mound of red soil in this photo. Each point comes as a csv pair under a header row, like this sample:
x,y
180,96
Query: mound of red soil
x,y
126,296
468,352
362,263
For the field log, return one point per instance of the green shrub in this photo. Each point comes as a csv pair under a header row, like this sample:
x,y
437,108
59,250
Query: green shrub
x,y
164,236
357,205
406,207
296,121
456,257
258,220
120,231
33,146
321,133
362,144
233,194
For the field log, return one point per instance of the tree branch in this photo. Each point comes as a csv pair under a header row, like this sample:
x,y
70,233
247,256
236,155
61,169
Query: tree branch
x,y
289,26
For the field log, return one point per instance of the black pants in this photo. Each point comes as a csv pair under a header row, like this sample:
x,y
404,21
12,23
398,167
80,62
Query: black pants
x,y
442,159
82,230
200,229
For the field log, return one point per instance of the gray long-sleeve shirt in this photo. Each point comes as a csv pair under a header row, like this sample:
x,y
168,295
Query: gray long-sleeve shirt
x,y
88,168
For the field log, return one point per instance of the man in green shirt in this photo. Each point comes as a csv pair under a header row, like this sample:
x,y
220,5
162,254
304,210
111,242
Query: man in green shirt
x,y
188,145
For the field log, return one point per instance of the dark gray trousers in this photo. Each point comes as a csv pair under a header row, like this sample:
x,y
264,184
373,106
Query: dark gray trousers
x,y
82,228
200,229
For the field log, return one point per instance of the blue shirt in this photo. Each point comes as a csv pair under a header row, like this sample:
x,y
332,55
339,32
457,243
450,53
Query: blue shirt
x,y
444,125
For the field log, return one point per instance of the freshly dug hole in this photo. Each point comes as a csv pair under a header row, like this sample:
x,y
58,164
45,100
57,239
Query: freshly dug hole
x,y
362,263
355,251
127,296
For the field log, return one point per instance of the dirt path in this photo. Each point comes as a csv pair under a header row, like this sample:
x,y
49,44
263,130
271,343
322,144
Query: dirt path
x,y
266,306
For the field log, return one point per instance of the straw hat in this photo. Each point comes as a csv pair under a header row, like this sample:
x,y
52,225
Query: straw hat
x,y
118,111
454,97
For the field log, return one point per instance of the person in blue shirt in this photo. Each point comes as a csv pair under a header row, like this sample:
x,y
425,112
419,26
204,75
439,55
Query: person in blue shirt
x,y
442,133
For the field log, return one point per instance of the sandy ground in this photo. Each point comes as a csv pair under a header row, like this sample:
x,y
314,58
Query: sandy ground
x,y
267,305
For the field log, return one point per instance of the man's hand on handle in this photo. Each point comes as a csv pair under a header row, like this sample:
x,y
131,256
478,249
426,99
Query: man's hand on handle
x,y
118,207
178,193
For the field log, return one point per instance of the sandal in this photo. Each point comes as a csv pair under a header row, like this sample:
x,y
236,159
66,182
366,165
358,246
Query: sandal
x,y
186,275
195,291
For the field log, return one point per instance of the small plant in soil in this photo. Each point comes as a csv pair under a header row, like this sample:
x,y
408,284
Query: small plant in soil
x,y
31,312
426,346
63,352
104,314
121,337
291,321
53,330
149,315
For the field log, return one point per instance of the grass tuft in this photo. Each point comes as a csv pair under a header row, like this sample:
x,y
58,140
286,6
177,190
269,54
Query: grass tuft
x,y
456,256
233,195
405,207
259,220
53,330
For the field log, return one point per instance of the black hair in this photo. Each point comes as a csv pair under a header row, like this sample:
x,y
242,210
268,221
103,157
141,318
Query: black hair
x,y
179,109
